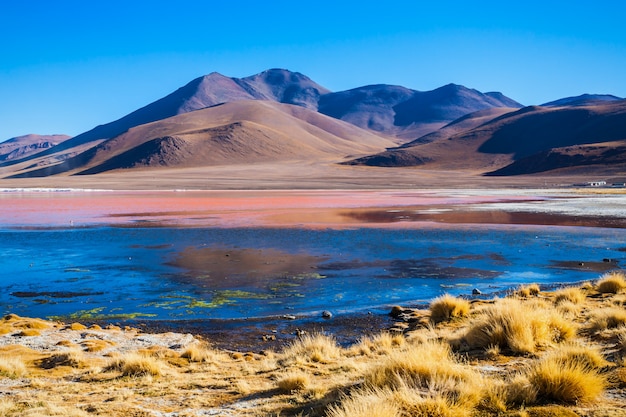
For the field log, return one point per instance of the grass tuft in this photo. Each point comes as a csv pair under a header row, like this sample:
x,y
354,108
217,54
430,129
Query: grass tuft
x,y
12,367
73,358
565,381
571,294
370,402
530,290
611,282
312,348
447,308
200,352
136,365
521,327
518,326
607,318
293,381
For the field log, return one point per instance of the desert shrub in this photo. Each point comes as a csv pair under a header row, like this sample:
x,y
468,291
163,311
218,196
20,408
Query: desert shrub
x,y
73,358
380,343
312,348
12,367
370,402
586,356
607,318
565,381
96,345
518,326
6,406
29,333
200,352
447,307
611,282
571,294
416,404
293,381
529,290
135,365
428,366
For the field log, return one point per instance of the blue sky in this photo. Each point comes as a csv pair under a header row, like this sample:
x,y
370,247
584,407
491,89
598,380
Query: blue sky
x,y
67,66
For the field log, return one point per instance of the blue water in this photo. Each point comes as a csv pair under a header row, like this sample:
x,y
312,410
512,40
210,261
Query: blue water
x,y
114,273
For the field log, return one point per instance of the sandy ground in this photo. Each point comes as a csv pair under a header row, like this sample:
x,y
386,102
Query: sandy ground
x,y
293,175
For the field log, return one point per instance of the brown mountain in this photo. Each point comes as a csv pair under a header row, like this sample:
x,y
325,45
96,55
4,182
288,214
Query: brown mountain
x,y
22,146
530,140
388,110
241,132
406,113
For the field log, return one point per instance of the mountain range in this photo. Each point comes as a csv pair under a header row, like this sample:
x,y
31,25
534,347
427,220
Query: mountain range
x,y
278,116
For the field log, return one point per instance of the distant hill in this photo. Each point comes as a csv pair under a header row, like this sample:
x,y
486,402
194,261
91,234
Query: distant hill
x,y
209,90
407,113
525,141
22,146
582,100
388,111
240,132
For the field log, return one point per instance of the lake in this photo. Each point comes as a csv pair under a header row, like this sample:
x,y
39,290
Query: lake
x,y
180,264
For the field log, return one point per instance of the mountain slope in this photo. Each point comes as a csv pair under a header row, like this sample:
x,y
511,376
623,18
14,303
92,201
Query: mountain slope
x,y
240,132
582,100
438,149
22,146
407,113
529,140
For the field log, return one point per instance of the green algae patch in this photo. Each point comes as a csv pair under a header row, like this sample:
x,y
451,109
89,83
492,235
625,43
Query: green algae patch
x,y
219,298
99,314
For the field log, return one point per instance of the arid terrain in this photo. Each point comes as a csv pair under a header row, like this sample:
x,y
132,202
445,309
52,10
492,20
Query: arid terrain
x,y
532,353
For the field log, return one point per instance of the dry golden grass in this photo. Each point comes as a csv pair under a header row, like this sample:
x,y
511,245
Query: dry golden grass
x,y
430,366
77,326
607,318
96,345
12,367
447,307
378,344
611,283
366,403
570,294
72,358
521,327
293,381
136,365
318,348
584,355
201,352
529,290
565,381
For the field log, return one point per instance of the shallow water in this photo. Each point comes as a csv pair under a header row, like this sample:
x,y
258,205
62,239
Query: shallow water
x,y
114,273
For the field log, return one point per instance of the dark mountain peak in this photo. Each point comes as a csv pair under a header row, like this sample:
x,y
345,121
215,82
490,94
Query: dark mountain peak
x,y
283,86
582,100
504,100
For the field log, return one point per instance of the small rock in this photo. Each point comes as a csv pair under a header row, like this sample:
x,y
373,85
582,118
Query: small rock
x,y
269,337
327,314
289,317
476,291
